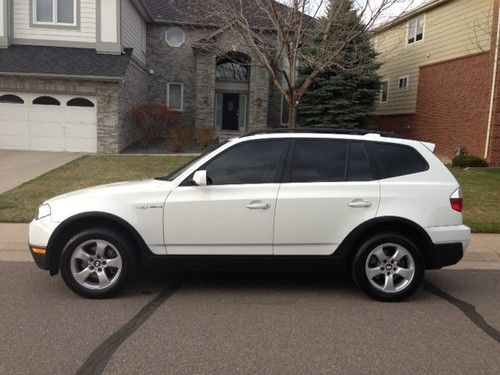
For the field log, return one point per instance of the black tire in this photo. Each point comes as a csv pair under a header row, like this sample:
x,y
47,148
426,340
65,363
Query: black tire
x,y
118,242
359,263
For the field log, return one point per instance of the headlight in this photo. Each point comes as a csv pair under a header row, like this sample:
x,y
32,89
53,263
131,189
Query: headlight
x,y
43,211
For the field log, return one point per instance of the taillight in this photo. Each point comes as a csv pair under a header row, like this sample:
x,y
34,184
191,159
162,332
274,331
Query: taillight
x,y
457,200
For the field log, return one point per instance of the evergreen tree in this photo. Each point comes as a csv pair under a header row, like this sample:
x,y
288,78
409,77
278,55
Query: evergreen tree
x,y
344,98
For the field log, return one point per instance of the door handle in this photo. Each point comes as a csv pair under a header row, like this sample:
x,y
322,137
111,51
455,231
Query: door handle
x,y
256,205
359,203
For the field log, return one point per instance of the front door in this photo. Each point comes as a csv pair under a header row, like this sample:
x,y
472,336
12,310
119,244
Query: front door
x,y
234,214
230,111
328,190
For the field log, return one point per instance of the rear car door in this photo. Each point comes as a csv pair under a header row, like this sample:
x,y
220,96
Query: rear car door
x,y
234,214
328,189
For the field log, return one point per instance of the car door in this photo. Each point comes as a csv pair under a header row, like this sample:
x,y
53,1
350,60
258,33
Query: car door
x,y
234,213
327,191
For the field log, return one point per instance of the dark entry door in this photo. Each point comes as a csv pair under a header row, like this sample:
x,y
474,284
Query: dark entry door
x,y
230,109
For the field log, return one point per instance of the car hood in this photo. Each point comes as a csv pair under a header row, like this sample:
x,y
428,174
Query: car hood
x,y
127,188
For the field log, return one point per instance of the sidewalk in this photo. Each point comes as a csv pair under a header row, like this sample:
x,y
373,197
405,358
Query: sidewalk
x,y
482,254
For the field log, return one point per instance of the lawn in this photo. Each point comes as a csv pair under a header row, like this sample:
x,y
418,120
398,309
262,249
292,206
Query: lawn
x,y
481,188
19,205
481,199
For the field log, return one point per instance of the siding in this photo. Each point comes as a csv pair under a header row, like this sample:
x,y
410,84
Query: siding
x,y
133,31
455,29
86,33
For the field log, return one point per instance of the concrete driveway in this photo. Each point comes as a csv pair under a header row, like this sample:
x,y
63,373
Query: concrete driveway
x,y
17,167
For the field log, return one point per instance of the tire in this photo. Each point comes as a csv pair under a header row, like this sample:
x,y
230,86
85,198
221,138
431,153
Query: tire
x,y
385,257
97,263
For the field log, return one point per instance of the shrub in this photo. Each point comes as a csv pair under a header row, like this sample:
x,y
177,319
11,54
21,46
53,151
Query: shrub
x,y
204,136
179,138
464,161
152,121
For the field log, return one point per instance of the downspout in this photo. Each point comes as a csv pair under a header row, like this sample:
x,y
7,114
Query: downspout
x,y
493,87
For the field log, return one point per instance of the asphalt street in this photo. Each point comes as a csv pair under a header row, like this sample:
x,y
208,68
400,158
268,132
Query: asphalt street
x,y
223,323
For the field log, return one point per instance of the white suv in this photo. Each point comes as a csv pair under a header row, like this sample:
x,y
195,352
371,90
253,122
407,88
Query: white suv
x,y
383,207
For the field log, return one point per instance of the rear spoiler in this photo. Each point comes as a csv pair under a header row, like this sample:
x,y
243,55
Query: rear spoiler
x,y
429,145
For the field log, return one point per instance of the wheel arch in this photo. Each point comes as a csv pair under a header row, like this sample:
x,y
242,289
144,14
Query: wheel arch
x,y
74,224
408,228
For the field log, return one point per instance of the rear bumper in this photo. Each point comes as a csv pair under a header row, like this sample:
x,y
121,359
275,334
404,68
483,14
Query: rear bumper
x,y
449,245
444,255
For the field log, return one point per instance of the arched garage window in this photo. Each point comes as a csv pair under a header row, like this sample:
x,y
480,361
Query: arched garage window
x,y
79,102
46,100
11,99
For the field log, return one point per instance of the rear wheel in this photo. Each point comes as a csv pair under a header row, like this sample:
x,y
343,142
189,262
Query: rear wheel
x,y
97,263
388,267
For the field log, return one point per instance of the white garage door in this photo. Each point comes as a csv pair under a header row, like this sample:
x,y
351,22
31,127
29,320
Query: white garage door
x,y
45,122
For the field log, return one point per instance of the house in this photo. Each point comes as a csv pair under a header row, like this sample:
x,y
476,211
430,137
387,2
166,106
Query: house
x,y
440,78
72,71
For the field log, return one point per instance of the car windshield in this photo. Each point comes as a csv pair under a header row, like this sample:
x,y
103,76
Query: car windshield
x,y
172,176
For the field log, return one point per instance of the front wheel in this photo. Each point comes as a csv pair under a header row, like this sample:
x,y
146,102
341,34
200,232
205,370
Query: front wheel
x,y
388,267
97,263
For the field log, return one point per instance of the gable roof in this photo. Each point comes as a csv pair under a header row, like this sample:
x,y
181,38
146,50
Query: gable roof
x,y
63,61
410,14
194,12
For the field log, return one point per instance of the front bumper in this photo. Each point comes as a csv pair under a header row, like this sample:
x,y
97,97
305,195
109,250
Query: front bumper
x,y
41,257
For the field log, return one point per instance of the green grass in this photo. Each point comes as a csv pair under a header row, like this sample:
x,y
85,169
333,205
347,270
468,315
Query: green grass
x,y
482,199
19,205
481,188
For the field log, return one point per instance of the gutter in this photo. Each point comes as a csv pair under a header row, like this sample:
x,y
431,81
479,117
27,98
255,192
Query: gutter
x,y
493,88
64,76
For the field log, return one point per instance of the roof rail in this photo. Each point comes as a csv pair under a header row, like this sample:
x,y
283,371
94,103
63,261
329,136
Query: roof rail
x,y
323,130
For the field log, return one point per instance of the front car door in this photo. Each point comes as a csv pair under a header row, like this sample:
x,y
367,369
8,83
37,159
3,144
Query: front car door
x,y
327,191
234,214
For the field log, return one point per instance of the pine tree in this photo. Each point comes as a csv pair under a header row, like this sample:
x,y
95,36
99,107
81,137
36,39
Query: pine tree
x,y
342,98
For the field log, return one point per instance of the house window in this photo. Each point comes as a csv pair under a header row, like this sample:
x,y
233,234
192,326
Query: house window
x,y
54,12
175,37
384,92
403,82
175,96
416,30
46,100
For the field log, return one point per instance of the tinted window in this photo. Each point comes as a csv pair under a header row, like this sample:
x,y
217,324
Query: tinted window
x,y
316,160
396,160
246,163
359,168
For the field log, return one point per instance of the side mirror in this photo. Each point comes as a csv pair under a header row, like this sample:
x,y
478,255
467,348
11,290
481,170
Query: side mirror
x,y
200,178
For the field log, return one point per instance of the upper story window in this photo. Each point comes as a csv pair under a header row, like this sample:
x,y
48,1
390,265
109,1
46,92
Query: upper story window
x,y
54,12
234,66
416,30
404,81
175,37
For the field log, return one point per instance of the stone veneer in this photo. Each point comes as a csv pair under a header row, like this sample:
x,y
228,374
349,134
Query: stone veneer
x,y
196,71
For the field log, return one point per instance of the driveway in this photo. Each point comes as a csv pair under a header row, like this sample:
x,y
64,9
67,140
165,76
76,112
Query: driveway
x,y
17,167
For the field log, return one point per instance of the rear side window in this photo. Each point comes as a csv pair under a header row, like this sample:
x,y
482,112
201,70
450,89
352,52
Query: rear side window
x,y
316,160
396,160
359,168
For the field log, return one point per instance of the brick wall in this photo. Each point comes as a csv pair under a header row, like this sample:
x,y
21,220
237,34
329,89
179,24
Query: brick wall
x,y
452,106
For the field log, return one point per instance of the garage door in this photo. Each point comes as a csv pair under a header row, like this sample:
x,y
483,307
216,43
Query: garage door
x,y
47,122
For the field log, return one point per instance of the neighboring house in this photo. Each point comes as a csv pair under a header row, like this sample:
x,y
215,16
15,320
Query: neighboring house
x,y
72,71
439,76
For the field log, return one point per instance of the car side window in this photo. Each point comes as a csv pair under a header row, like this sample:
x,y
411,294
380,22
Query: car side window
x,y
318,160
359,168
395,160
254,162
